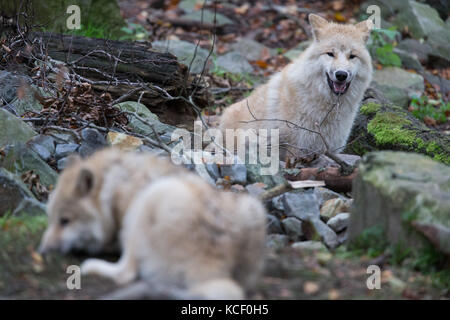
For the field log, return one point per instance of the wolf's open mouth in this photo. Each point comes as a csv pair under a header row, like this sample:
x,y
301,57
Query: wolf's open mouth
x,y
337,87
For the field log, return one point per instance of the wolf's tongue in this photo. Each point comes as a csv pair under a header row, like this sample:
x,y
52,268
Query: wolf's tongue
x,y
339,87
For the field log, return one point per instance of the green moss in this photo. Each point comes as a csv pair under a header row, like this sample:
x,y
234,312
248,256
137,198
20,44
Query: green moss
x,y
372,241
370,108
388,129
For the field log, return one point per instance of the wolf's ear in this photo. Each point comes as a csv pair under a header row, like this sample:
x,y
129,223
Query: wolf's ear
x,y
317,23
365,27
85,182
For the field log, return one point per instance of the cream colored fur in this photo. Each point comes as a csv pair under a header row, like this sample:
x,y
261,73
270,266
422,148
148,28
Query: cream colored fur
x,y
300,92
173,227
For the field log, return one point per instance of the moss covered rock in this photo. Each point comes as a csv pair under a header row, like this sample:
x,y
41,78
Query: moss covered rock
x,y
382,126
406,195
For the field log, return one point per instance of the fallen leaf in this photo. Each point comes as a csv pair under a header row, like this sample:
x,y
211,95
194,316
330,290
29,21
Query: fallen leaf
x,y
339,17
310,287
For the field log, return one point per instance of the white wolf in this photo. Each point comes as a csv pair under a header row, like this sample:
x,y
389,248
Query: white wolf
x,y
174,228
321,90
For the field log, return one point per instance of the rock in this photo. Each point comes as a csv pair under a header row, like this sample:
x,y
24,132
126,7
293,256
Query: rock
x,y
91,141
339,222
277,241
249,49
207,16
190,5
407,196
61,164
277,202
123,141
293,228
184,51
398,85
12,192
421,19
43,145
303,205
236,173
324,161
13,130
333,207
324,194
65,149
295,52
234,62
409,60
254,174
442,83
20,159
273,225
213,170
381,126
343,237
309,246
256,189
143,112
418,49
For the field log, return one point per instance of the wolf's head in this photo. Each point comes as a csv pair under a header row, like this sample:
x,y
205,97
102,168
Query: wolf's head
x,y
341,52
74,219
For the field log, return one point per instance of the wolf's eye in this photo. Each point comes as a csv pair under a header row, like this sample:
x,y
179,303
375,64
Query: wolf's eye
x,y
331,54
352,56
63,221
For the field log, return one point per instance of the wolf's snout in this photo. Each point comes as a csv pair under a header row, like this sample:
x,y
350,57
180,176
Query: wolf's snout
x,y
341,75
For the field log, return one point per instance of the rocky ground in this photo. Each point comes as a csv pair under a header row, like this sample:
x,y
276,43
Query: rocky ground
x,y
320,242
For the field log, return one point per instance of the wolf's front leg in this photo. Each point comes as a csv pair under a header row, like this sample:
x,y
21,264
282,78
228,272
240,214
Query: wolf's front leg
x,y
122,272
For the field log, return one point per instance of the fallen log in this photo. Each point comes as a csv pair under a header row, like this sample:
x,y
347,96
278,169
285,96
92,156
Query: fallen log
x,y
122,68
332,176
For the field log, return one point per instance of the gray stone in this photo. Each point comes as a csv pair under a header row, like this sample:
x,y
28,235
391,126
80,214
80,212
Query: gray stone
x,y
277,241
43,145
249,49
12,191
185,51
13,130
398,85
254,174
303,205
293,228
405,194
61,164
189,5
324,194
20,159
91,141
9,83
339,222
277,202
256,189
213,170
343,237
308,246
421,19
63,150
234,62
207,16
409,60
419,49
143,112
237,173
273,225
443,83
324,161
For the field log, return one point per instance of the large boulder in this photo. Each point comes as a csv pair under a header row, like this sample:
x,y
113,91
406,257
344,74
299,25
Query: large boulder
x,y
398,85
407,196
13,130
15,196
383,126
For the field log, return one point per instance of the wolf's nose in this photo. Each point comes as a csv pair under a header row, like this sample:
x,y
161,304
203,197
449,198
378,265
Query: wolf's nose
x,y
341,75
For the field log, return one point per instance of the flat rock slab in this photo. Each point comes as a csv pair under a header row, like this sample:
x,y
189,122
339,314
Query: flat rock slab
x,y
406,195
